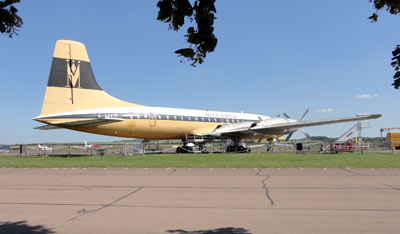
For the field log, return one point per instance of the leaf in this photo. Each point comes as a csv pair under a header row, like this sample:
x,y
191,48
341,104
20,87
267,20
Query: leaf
x,y
373,17
187,53
190,30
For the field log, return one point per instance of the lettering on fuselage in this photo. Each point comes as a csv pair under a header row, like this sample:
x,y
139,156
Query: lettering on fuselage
x,y
221,115
107,116
349,134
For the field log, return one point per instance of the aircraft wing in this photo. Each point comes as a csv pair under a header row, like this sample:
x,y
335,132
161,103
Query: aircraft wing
x,y
89,122
267,127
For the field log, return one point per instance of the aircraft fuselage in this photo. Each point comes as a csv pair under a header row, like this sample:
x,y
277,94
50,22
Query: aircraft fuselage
x,y
152,122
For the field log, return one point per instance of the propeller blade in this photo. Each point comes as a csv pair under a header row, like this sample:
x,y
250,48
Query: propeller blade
x,y
286,115
289,136
278,116
305,133
276,138
304,115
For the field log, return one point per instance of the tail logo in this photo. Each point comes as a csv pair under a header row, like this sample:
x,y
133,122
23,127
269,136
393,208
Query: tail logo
x,y
73,73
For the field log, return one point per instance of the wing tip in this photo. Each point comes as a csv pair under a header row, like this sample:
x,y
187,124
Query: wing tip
x,y
370,116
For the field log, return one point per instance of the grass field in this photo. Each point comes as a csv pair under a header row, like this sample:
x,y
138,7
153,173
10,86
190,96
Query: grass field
x,y
270,160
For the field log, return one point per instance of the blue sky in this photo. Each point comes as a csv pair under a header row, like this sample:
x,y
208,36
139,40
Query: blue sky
x,y
272,57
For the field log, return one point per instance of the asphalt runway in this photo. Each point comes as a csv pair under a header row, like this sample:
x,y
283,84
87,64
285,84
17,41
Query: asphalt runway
x,y
199,201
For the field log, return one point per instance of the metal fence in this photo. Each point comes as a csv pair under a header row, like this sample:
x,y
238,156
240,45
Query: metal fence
x,y
164,147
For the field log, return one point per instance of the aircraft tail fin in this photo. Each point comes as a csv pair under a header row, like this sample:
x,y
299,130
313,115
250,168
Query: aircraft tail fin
x,y
72,85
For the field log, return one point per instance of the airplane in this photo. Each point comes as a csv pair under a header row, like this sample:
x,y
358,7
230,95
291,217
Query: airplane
x,y
88,146
91,146
74,100
5,148
44,147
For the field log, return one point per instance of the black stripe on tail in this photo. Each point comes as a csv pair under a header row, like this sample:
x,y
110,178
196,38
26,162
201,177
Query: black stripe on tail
x,y
64,72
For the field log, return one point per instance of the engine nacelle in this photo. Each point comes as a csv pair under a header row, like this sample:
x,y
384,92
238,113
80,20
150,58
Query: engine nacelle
x,y
259,126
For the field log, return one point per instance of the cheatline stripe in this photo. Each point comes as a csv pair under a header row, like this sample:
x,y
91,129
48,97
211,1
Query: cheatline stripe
x,y
150,117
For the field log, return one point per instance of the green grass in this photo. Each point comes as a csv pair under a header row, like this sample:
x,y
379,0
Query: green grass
x,y
270,160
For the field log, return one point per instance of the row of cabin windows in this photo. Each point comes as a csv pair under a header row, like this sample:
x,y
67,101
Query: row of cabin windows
x,y
186,118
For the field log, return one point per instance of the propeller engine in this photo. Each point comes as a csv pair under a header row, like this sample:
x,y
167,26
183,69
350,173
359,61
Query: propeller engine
x,y
301,130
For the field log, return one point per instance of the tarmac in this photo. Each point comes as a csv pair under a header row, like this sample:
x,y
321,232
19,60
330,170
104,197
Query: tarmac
x,y
199,201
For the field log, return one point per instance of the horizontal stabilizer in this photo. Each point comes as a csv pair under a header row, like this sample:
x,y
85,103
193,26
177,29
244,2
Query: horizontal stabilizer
x,y
47,127
81,123
91,122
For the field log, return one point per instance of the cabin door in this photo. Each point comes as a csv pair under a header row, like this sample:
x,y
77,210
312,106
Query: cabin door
x,y
152,120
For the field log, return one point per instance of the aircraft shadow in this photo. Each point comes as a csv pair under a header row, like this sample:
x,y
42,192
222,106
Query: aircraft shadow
x,y
23,228
225,230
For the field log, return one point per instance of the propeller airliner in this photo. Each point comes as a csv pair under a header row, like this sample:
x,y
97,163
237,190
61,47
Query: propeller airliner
x,y
74,100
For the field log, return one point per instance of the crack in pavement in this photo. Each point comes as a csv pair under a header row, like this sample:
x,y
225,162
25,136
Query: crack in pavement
x,y
266,190
350,171
82,173
84,211
391,186
173,171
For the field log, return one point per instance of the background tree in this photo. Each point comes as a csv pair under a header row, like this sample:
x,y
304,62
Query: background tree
x,y
201,37
174,12
9,20
393,7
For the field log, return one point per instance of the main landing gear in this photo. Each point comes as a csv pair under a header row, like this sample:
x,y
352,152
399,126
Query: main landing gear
x,y
186,148
237,146
231,146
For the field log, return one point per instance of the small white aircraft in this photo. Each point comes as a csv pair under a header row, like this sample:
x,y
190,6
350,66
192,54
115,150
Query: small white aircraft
x,y
91,146
44,147
88,146
75,101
